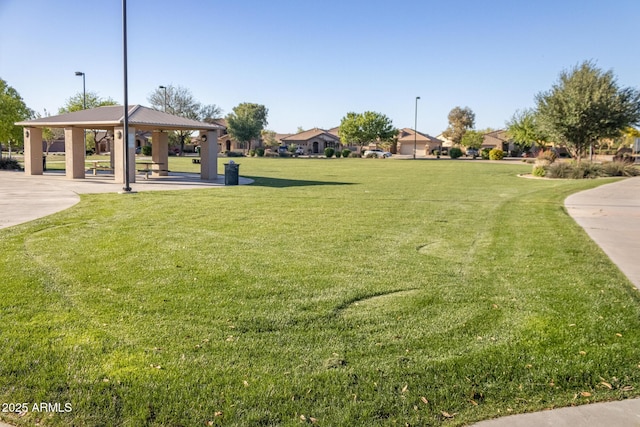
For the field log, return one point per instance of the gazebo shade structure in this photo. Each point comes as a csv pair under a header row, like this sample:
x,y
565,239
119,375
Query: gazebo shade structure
x,y
111,118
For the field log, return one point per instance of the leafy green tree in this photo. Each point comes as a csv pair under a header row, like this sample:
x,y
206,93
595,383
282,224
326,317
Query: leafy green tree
x,y
460,120
524,130
269,138
76,102
359,129
472,139
179,101
93,100
246,122
12,110
586,105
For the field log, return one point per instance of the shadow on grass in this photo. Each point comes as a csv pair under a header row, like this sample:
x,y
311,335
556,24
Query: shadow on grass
x,y
282,183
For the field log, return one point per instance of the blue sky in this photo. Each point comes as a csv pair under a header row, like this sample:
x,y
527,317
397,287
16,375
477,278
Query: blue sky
x,y
311,62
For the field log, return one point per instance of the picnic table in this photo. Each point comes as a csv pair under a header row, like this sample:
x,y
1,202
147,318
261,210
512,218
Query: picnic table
x,y
102,165
148,167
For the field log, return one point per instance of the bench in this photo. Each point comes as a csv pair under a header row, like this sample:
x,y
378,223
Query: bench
x,y
96,168
147,171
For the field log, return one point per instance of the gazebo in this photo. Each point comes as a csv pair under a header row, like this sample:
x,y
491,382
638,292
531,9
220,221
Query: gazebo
x,y
111,118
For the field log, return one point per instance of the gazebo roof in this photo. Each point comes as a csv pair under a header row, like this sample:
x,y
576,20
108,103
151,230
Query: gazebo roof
x,y
140,117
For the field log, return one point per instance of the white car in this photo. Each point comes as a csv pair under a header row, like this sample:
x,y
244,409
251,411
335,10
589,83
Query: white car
x,y
377,152
299,151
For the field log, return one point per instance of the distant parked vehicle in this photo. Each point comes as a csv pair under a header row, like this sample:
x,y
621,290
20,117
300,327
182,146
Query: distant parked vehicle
x,y
377,153
472,152
299,151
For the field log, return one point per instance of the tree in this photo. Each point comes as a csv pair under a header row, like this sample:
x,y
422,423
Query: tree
x,y
269,138
12,110
586,105
246,122
524,130
180,101
472,139
76,102
359,129
93,100
460,120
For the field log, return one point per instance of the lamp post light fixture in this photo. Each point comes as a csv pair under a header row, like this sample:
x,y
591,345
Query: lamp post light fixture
x,y
165,97
415,130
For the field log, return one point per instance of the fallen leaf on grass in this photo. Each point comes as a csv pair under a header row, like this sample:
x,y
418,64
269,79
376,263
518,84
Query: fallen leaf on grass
x,y
405,388
607,385
474,403
424,400
448,415
585,394
618,335
246,384
217,414
627,388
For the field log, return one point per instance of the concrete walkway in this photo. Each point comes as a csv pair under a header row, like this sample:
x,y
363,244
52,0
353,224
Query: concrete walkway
x,y
610,214
24,198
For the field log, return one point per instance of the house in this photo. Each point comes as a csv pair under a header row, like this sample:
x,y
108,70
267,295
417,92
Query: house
x,y
498,139
424,144
313,141
227,143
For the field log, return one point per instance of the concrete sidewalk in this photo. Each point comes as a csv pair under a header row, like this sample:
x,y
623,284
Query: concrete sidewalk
x,y
24,198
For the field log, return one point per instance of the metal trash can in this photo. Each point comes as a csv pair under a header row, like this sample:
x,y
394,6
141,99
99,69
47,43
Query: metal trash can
x,y
231,171
44,162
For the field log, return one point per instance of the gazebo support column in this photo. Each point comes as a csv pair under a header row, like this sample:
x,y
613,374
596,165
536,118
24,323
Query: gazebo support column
x,y
33,151
160,152
209,155
118,155
74,152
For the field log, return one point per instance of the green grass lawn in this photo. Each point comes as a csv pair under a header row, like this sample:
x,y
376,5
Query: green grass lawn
x,y
340,292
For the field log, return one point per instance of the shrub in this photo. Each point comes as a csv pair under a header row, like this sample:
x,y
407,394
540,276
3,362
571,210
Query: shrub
x,y
485,153
145,150
252,152
455,152
619,168
9,164
559,170
496,154
548,156
346,153
338,154
260,152
329,152
539,171
234,154
586,170
354,154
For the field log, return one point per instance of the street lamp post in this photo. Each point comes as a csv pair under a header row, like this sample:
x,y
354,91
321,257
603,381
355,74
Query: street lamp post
x,y
165,97
415,130
127,187
84,104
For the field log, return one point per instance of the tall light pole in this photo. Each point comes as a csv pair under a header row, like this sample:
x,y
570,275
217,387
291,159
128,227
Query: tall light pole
x,y
165,97
415,130
127,187
84,104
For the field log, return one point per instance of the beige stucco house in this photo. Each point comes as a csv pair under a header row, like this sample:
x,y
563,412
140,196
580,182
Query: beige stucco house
x,y
424,144
313,141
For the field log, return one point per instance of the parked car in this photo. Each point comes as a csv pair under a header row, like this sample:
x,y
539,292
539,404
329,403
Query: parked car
x,y
283,149
377,152
472,152
299,151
